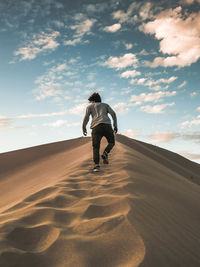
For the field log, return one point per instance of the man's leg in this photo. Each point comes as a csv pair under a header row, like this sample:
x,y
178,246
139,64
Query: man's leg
x,y
96,140
109,134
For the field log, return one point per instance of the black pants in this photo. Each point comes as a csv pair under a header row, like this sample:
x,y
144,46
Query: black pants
x,y
98,132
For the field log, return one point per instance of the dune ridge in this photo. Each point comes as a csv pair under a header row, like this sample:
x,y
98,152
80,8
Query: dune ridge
x,y
138,211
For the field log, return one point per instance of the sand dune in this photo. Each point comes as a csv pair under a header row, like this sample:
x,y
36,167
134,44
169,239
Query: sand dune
x,y
141,210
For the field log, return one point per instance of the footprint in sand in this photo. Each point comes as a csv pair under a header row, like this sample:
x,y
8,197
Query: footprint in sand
x,y
41,216
36,239
114,209
64,218
98,226
60,201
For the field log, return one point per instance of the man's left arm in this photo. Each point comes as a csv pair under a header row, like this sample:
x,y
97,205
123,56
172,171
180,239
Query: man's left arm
x,y
85,121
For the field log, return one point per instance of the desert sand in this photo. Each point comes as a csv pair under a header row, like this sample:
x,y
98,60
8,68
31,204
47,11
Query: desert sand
x,y
143,209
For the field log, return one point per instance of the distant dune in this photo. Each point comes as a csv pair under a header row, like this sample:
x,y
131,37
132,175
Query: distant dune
x,y
141,210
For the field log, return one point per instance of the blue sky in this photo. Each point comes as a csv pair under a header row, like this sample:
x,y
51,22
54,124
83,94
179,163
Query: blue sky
x,y
141,56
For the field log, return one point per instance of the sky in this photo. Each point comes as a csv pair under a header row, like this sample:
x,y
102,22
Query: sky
x,y
143,57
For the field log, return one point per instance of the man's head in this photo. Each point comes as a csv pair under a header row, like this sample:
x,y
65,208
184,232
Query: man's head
x,y
95,97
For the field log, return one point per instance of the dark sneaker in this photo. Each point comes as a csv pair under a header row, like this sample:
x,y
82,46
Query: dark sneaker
x,y
96,168
105,157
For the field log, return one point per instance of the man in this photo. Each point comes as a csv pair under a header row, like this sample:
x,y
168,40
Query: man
x,y
101,126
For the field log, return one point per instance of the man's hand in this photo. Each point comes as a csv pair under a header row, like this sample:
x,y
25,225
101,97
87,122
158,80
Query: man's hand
x,y
115,129
84,132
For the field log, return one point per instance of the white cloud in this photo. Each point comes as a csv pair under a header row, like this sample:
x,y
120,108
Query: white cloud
x,y
128,46
170,80
78,109
121,62
73,124
42,115
157,109
56,124
126,16
80,99
70,74
154,84
145,11
179,36
48,89
198,109
72,42
4,121
125,91
121,108
163,137
78,83
151,97
82,27
60,123
143,52
86,92
59,68
59,24
193,94
113,28
67,97
91,76
141,81
130,73
156,88
50,84
194,122
137,11
100,89
182,84
132,133
121,16
40,43
91,85
151,82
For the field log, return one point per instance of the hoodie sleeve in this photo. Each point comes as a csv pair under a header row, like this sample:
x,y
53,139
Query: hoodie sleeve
x,y
113,115
86,118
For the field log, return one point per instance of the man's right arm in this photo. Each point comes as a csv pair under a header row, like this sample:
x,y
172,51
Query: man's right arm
x,y
114,117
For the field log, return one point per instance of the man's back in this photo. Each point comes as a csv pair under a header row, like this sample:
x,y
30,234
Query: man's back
x,y
99,112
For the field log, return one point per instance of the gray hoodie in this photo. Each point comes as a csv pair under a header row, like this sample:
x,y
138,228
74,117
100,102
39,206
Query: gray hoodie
x,y
99,112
